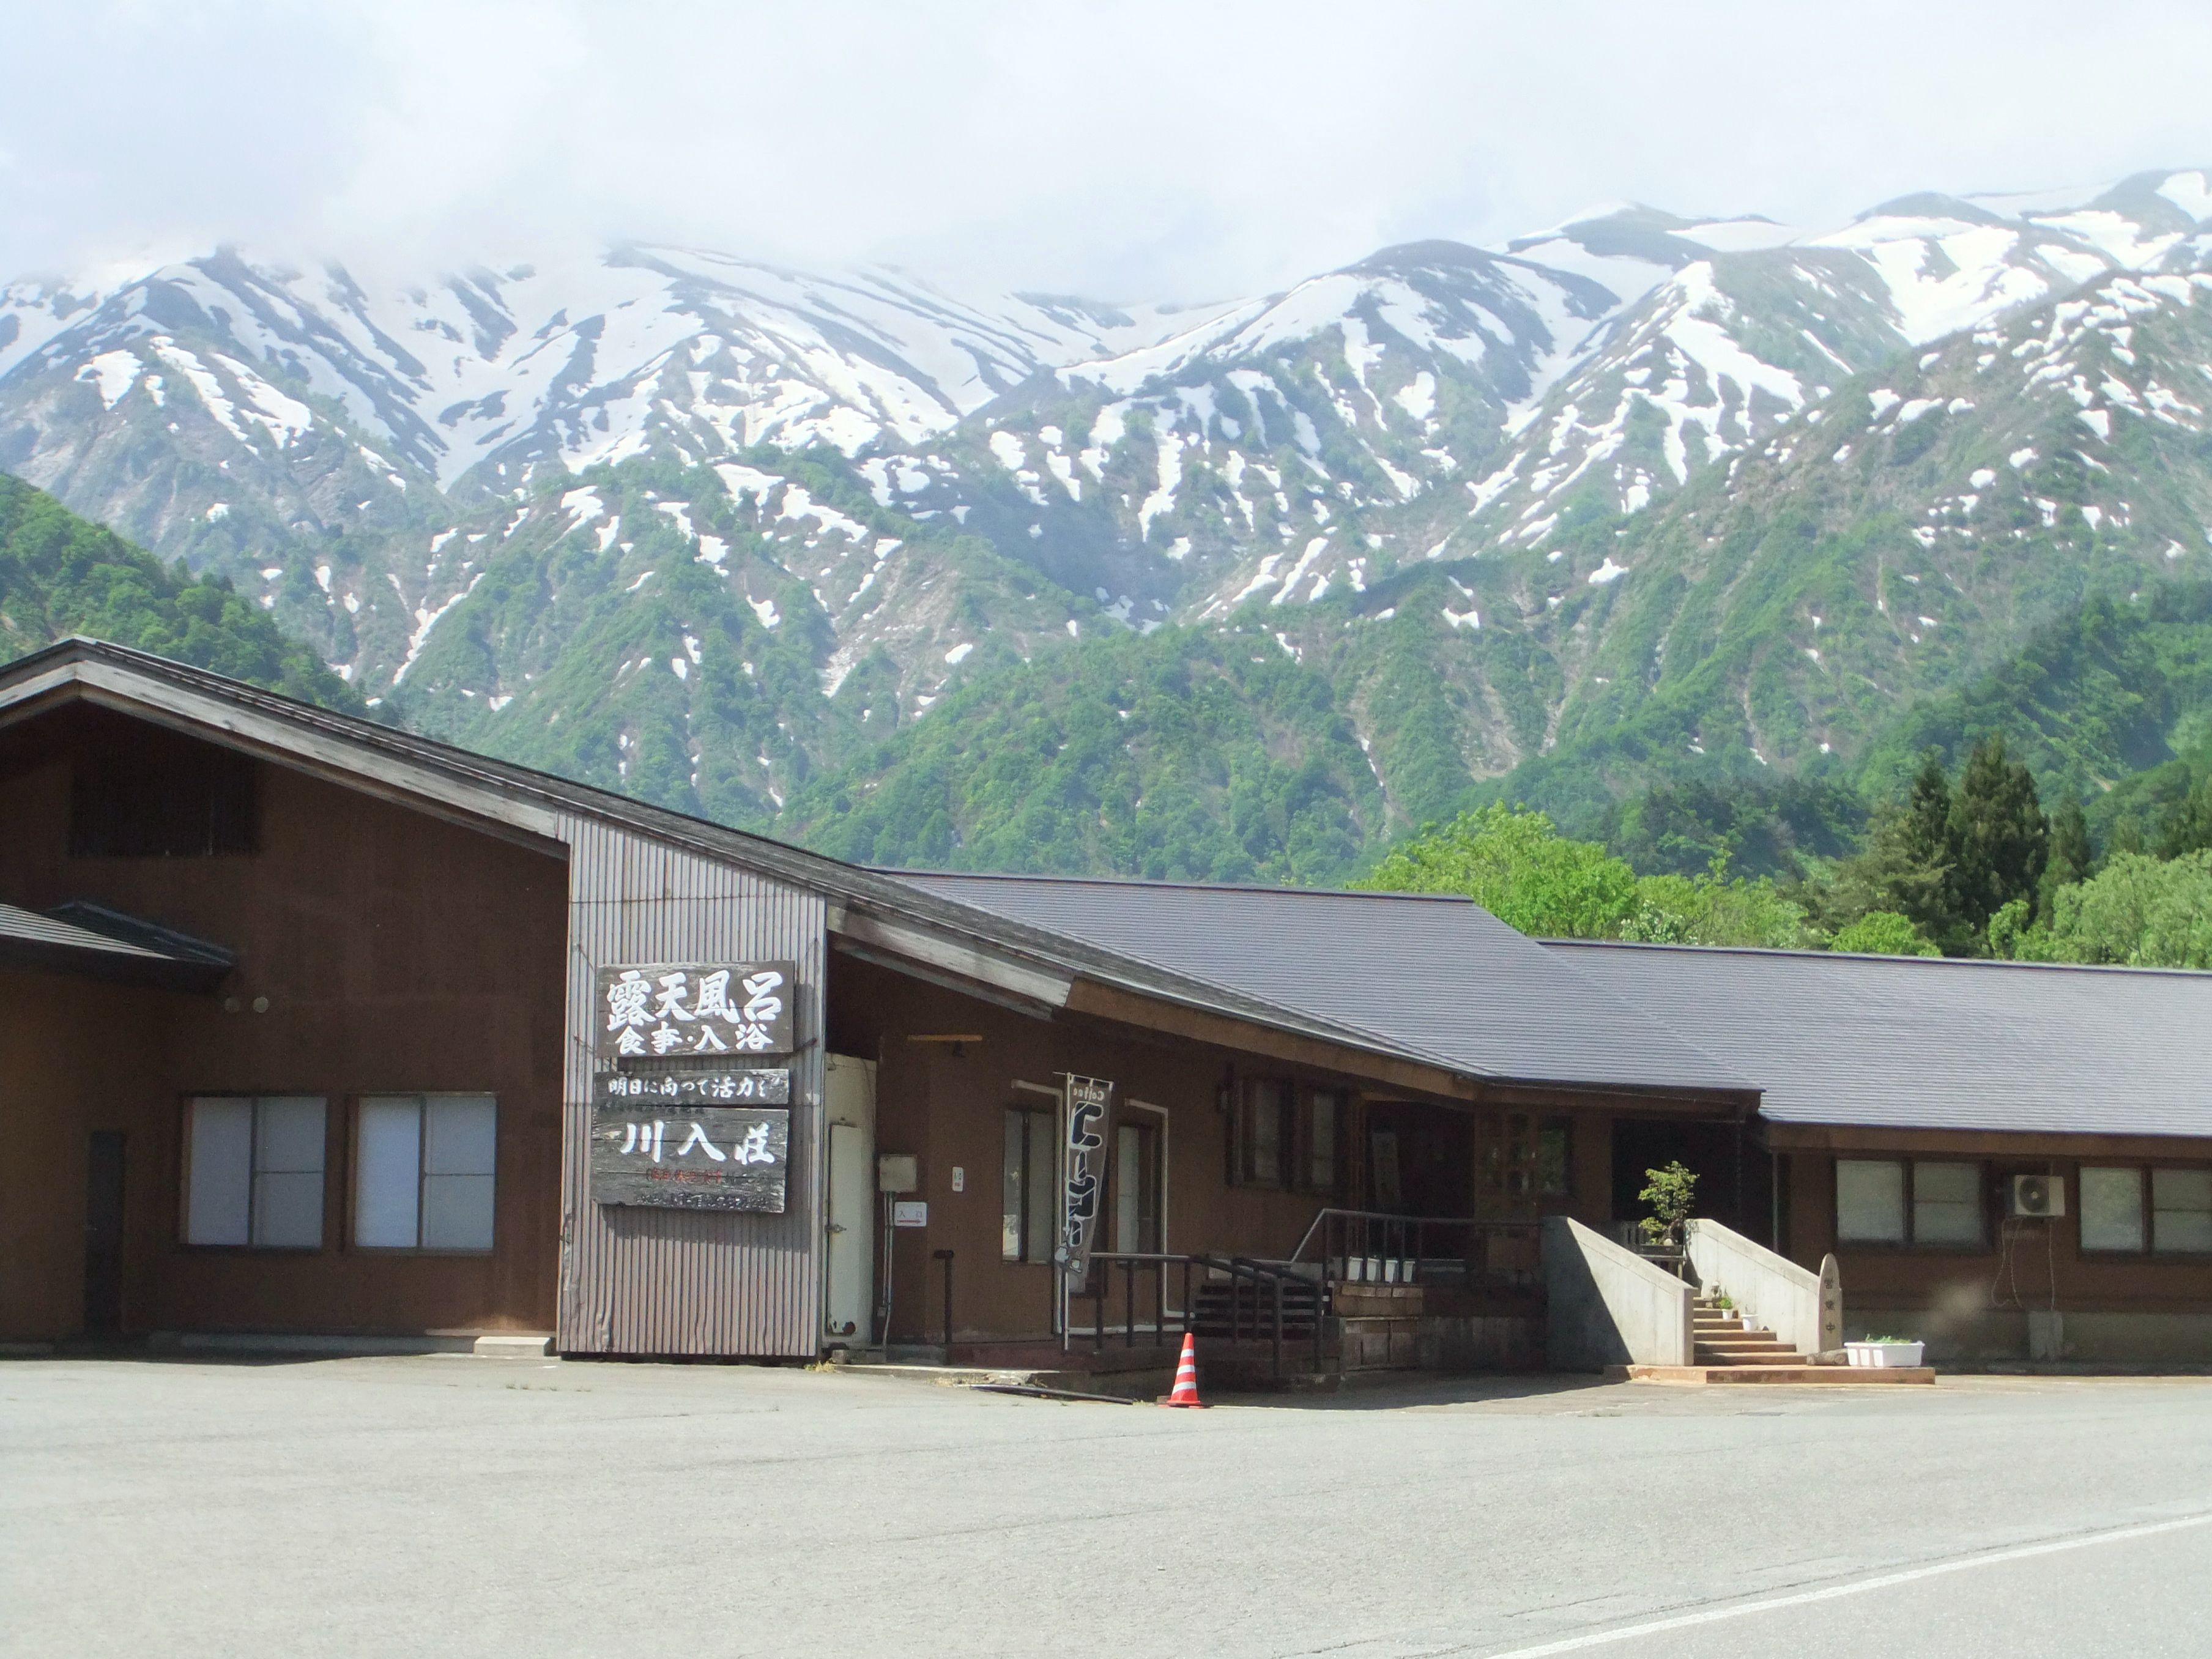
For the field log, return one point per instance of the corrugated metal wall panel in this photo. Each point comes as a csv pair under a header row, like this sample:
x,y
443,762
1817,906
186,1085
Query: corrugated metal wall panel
x,y
647,1281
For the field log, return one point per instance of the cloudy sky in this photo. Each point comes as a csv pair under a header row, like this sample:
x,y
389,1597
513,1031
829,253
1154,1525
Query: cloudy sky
x,y
1187,150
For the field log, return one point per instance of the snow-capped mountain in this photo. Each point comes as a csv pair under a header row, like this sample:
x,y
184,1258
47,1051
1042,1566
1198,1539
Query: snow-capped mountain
x,y
591,362
1437,399
510,497
1434,397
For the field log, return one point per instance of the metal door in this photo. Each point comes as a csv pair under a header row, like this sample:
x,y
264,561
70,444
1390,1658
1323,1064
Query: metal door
x,y
849,1095
103,1233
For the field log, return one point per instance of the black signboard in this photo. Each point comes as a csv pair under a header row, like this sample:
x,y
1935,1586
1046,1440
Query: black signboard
x,y
693,1011
692,1142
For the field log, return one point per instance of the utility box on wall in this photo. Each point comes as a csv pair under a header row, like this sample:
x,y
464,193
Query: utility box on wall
x,y
897,1172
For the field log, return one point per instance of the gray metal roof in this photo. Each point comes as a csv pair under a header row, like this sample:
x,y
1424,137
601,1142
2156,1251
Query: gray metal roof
x,y
1928,1043
1511,1001
1429,975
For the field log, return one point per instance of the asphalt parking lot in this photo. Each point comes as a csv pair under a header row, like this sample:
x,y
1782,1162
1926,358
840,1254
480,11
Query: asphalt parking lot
x,y
480,1506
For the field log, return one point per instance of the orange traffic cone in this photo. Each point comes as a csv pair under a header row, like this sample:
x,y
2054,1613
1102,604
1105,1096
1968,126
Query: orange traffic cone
x,y
1186,1382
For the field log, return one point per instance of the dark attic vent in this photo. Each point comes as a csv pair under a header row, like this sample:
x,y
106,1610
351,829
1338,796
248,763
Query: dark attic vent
x,y
150,793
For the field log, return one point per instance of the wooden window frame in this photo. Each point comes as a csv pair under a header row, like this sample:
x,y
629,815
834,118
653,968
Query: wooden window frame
x,y
1564,1193
2146,1192
1309,1140
424,1099
1245,1114
1152,1175
1032,1157
254,1098
1912,1243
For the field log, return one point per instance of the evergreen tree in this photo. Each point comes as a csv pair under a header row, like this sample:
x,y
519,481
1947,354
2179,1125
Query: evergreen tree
x,y
1912,857
1924,831
2187,827
2071,857
1999,840
1904,870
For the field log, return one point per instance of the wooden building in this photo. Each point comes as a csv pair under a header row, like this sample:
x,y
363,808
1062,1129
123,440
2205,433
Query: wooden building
x,y
311,1026
307,1025
2011,1161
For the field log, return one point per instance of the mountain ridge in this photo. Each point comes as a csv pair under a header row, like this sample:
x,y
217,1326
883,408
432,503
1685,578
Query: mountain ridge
x,y
508,506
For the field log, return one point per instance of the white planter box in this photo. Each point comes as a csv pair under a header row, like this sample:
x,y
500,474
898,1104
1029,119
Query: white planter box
x,y
1884,1355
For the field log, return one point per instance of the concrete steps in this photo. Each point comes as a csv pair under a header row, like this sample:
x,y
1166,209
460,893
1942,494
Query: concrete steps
x,y
1723,1349
1827,1376
1719,1337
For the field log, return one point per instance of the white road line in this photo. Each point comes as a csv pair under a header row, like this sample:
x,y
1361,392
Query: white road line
x,y
1830,1593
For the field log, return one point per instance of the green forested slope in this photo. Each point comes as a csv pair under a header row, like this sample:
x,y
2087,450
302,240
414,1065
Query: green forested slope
x,y
60,575
1221,754
1182,754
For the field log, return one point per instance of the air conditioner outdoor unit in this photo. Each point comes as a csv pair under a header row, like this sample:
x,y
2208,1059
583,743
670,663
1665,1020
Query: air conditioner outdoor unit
x,y
2037,1195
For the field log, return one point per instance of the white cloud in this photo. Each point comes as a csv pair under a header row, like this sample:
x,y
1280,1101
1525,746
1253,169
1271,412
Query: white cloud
x,y
1144,147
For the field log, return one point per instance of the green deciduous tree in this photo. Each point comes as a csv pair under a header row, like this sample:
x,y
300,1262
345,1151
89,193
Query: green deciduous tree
x,y
1883,933
1514,864
2138,911
1712,909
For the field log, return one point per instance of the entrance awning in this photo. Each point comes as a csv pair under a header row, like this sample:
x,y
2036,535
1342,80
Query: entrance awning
x,y
96,943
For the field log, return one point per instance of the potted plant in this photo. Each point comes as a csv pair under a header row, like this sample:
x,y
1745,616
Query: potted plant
x,y
1884,1352
1671,1192
1726,1304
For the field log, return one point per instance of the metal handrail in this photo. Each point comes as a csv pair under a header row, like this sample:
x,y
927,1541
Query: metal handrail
x,y
1330,1212
1271,1278
1401,1236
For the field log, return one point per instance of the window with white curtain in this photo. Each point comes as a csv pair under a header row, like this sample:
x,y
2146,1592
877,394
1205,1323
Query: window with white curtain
x,y
424,1172
1926,1203
2112,1209
1947,1203
2181,1211
2176,1221
254,1171
1870,1200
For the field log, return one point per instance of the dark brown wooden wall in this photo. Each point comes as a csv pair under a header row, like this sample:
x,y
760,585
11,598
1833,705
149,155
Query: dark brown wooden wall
x,y
946,1109
398,953
2043,1264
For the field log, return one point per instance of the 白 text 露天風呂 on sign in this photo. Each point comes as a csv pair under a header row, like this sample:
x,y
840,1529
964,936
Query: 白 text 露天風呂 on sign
x,y
692,1142
694,1010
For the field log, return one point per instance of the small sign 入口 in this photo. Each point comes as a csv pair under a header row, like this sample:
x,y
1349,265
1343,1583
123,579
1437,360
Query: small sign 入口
x,y
693,1011
910,1212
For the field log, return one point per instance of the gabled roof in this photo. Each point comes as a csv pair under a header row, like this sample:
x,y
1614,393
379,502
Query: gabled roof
x,y
1924,1043
1418,973
1495,1018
